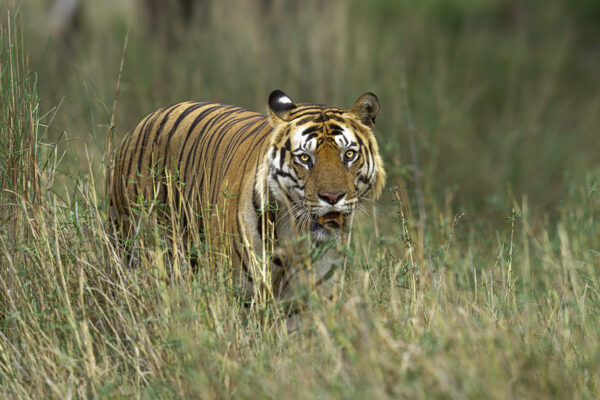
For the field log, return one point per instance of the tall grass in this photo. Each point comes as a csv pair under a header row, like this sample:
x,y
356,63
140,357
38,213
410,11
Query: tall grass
x,y
501,301
19,123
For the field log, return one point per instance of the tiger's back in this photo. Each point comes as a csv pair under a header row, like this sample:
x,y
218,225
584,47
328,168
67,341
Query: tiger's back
x,y
205,148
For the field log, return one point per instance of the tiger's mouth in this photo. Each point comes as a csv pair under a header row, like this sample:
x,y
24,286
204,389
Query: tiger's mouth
x,y
330,221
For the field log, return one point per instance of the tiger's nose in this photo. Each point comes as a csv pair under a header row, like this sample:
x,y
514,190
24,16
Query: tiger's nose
x,y
331,198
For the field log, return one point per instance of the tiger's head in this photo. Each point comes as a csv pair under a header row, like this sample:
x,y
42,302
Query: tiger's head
x,y
323,162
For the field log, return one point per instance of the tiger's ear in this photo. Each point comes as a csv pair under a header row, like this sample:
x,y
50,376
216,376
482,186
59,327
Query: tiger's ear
x,y
280,105
366,109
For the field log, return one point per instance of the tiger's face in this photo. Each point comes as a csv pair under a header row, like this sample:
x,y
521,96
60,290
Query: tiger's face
x,y
323,162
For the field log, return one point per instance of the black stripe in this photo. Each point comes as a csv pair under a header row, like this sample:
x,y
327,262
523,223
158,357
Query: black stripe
x,y
197,120
224,129
312,129
360,141
300,110
240,136
311,136
197,136
322,118
211,128
146,137
369,185
279,172
281,157
137,168
306,120
215,133
252,133
165,114
182,115
337,118
139,133
370,165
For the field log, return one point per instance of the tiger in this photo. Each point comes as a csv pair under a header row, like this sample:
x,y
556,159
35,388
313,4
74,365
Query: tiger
x,y
300,171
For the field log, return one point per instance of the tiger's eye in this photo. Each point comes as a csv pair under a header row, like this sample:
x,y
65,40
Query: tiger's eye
x,y
350,154
304,157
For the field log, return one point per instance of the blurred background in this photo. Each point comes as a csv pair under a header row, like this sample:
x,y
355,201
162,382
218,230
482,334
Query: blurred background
x,y
483,102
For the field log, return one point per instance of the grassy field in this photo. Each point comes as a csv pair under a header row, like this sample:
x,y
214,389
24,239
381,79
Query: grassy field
x,y
477,275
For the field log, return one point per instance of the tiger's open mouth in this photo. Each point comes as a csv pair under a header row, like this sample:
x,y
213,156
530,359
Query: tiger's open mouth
x,y
330,221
